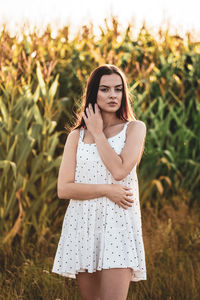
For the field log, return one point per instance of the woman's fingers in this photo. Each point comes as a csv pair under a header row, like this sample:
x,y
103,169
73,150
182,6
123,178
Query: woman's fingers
x,y
129,200
88,111
129,194
91,108
126,203
127,188
96,108
123,206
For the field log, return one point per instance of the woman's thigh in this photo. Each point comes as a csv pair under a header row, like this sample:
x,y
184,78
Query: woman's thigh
x,y
115,283
89,285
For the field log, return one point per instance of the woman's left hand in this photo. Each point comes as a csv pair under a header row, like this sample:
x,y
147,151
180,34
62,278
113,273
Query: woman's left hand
x,y
93,120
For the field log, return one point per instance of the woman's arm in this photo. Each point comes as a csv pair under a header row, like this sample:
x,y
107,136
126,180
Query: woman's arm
x,y
66,188
82,191
121,165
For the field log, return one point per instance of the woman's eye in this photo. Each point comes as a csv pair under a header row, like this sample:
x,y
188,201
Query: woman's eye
x,y
107,89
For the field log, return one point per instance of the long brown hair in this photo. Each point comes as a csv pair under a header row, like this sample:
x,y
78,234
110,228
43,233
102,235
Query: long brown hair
x,y
125,112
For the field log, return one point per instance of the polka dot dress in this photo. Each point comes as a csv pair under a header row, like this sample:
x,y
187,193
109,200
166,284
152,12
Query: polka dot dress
x,y
97,233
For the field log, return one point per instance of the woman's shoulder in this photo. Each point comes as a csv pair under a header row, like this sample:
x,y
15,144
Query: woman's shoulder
x,y
73,135
74,132
138,125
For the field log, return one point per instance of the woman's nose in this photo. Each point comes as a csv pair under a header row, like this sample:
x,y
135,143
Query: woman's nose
x,y
112,93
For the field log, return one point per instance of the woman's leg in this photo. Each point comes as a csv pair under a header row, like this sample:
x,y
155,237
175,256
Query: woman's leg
x,y
89,285
115,283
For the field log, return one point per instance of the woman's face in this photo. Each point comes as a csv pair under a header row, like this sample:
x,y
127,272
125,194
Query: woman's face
x,y
109,96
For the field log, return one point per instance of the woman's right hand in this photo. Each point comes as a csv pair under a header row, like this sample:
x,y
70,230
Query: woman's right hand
x,y
119,194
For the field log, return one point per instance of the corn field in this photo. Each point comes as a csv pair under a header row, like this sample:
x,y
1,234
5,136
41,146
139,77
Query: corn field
x,y
41,83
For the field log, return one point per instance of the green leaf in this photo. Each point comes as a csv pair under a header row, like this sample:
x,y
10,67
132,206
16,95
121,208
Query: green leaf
x,y
53,88
40,79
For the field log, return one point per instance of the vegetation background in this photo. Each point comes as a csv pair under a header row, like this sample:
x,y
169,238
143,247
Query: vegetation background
x,y
41,82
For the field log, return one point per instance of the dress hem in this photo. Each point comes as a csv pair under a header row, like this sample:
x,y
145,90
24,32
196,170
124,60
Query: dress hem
x,y
73,275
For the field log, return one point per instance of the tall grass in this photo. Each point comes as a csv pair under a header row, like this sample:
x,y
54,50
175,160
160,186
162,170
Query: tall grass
x,y
29,164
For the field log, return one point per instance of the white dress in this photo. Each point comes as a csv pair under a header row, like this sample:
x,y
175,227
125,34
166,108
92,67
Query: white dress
x,y
97,233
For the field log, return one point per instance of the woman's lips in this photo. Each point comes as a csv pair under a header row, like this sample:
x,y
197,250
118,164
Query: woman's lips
x,y
112,103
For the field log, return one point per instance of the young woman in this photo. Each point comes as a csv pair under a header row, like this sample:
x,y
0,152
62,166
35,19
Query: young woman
x,y
101,243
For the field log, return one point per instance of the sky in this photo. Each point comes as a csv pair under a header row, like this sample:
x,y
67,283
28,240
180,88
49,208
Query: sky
x,y
183,15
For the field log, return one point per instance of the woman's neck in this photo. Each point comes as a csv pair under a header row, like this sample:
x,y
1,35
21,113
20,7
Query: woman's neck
x,y
109,119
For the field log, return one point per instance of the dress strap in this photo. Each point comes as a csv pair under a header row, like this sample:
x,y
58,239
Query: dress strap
x,y
81,133
125,129
126,124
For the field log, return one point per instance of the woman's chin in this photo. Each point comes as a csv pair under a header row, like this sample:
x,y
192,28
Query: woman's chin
x,y
110,109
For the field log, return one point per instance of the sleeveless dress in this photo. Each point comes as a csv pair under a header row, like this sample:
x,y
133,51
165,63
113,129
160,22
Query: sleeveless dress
x,y
97,233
